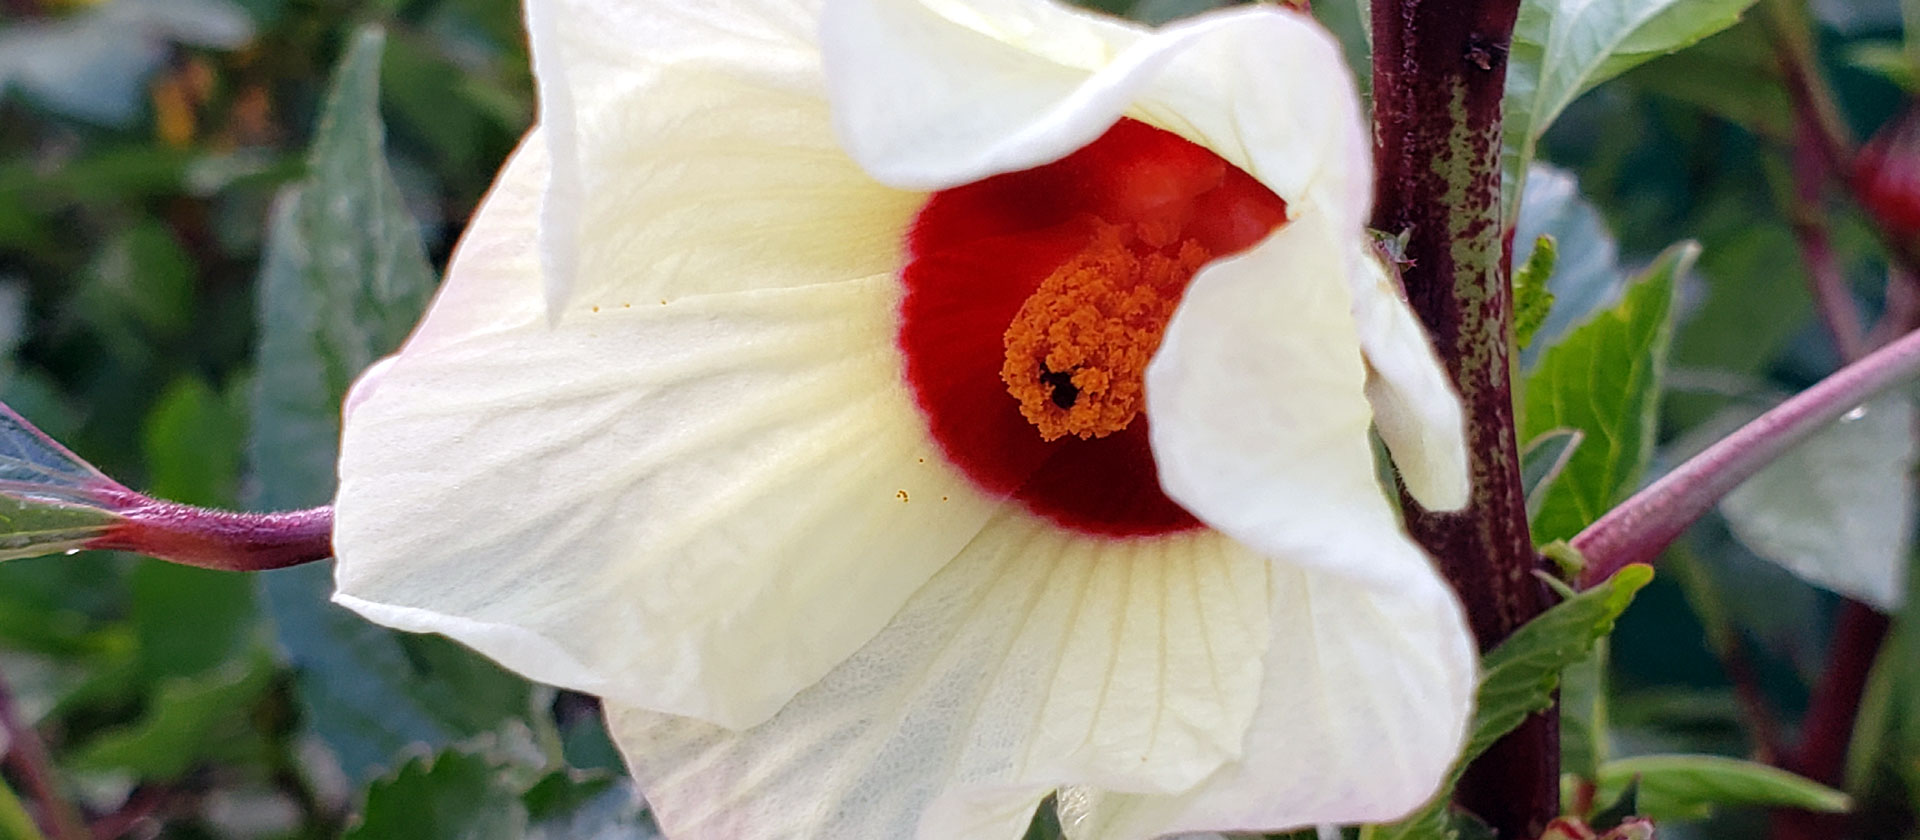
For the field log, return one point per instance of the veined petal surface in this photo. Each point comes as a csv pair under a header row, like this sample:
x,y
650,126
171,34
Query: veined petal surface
x,y
693,154
700,507
1036,659
933,93
1363,710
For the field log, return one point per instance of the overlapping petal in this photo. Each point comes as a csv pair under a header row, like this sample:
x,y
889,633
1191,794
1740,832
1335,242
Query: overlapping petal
x,y
1259,414
935,93
1362,712
699,507
1035,659
1414,406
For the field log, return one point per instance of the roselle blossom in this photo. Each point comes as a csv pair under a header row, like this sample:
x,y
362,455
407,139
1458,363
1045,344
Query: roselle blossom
x,y
899,411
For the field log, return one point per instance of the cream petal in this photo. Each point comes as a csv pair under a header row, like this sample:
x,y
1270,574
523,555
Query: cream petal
x,y
699,507
1364,708
693,153
1037,658
1259,415
1414,405
930,94
493,271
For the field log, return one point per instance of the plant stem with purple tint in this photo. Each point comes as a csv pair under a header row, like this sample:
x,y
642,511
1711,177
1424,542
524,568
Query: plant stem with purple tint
x,y
1439,71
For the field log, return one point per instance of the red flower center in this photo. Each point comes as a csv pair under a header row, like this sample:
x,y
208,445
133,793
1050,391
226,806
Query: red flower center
x,y
1034,301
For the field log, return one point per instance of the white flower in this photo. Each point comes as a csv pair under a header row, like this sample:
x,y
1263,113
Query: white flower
x,y
735,411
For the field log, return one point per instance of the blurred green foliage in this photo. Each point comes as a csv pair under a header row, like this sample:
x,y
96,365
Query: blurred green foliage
x,y
153,159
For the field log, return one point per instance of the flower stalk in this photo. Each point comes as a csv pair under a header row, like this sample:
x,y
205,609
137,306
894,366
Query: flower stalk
x,y
1439,71
217,539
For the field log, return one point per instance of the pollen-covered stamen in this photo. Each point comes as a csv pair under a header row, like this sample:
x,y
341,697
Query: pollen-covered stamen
x,y
1077,351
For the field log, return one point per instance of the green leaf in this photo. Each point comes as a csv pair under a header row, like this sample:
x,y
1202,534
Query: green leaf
x,y
1604,379
570,805
1518,679
189,722
1837,510
450,796
482,791
1583,714
1750,305
1542,461
1531,299
1689,787
1519,676
1888,60
1563,48
15,822
343,279
1881,768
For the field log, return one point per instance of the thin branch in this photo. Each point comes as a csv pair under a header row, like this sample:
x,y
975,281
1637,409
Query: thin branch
x,y
1731,650
28,758
1828,285
1807,86
1901,314
1644,525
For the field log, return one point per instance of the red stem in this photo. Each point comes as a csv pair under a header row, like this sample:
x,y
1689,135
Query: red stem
x,y
1827,729
218,539
1439,71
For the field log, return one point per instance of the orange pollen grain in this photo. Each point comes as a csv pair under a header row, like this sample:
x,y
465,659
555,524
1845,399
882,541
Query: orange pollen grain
x,y
1077,350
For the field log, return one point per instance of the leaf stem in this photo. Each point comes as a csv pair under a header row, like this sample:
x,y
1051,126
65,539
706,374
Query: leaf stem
x,y
1439,71
217,539
1645,524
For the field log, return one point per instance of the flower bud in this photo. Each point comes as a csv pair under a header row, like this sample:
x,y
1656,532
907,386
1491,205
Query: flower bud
x,y
1886,174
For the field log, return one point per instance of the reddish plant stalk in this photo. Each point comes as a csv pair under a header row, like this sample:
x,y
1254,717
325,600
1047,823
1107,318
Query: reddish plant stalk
x,y
1825,281
217,539
1439,70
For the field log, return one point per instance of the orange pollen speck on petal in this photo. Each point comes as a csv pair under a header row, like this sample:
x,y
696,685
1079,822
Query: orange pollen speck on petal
x,y
1077,350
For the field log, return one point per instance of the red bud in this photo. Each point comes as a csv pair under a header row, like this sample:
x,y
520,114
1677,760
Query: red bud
x,y
1887,176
